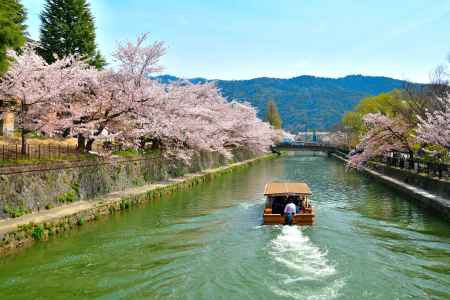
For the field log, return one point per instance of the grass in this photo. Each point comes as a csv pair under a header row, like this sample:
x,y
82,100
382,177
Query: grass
x,y
34,161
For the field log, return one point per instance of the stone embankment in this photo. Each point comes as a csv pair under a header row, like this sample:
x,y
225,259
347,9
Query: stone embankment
x,y
40,225
433,200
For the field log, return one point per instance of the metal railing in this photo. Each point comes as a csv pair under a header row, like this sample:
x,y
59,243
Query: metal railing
x,y
417,165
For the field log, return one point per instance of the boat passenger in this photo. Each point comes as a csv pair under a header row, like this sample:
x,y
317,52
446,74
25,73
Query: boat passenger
x,y
289,212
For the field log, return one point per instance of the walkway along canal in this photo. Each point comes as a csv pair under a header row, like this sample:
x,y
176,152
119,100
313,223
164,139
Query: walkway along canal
x,y
369,242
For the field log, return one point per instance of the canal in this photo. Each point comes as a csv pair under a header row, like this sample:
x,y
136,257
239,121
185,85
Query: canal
x,y
369,242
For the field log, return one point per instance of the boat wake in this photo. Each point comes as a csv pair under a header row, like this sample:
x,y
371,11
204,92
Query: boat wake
x,y
303,270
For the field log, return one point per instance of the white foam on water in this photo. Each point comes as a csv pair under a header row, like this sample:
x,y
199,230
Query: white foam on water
x,y
326,293
302,264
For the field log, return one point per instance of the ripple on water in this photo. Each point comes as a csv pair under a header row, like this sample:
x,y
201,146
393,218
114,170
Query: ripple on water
x,y
302,261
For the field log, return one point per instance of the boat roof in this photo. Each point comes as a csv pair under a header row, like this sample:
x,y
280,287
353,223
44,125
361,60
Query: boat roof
x,y
286,188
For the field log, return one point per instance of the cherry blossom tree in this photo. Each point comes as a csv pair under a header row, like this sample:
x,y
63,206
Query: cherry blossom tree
x,y
192,118
182,118
105,108
37,89
384,135
68,98
435,127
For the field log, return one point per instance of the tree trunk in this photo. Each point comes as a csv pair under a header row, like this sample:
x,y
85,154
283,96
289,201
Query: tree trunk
x,y
23,150
156,144
142,143
411,159
89,144
81,143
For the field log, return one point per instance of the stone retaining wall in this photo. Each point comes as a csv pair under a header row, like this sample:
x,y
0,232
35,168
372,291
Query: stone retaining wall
x,y
433,185
30,189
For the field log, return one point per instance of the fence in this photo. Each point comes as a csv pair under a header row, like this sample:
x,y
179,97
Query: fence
x,y
10,152
13,152
434,169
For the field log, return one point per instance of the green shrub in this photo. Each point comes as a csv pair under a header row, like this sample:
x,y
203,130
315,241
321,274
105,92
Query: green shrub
x,y
125,204
80,221
38,233
14,212
67,197
49,206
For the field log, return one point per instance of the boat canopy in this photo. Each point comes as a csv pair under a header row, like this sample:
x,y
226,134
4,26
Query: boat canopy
x,y
286,188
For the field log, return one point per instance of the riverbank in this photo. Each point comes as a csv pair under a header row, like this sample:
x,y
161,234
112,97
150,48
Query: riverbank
x,y
40,226
433,201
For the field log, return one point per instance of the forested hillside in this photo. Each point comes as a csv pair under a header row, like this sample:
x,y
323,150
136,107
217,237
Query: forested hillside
x,y
304,102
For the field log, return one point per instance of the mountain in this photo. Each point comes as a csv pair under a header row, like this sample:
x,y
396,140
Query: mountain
x,y
304,102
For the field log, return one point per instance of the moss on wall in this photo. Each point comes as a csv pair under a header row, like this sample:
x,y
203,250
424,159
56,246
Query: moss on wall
x,y
33,191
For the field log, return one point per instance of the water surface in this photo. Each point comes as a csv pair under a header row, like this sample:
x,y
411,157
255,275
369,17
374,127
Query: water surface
x,y
369,242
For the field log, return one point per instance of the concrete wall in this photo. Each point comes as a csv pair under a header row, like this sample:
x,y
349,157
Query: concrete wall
x,y
23,190
433,185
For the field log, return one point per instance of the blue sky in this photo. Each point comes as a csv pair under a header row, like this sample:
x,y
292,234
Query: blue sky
x,y
242,39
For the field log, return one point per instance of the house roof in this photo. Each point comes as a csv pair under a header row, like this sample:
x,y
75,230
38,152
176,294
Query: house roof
x,y
286,188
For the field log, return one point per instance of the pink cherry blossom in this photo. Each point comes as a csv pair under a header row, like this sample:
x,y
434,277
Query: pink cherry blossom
x,y
435,128
69,98
384,135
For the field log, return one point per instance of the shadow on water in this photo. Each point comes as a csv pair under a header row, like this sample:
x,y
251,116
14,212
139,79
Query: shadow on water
x,y
208,243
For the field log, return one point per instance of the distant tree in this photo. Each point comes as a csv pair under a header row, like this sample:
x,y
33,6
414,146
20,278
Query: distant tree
x,y
68,29
273,116
12,16
388,104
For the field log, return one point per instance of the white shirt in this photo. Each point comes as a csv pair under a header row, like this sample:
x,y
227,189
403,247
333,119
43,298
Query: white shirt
x,y
290,208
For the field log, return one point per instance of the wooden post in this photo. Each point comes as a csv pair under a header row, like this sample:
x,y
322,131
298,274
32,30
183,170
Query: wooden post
x,y
39,151
16,151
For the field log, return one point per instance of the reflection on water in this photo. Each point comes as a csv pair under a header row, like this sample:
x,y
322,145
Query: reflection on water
x,y
368,243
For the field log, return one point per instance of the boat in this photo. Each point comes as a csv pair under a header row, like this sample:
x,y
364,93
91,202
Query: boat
x,y
278,194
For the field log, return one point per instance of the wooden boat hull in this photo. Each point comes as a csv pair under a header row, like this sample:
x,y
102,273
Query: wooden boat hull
x,y
306,218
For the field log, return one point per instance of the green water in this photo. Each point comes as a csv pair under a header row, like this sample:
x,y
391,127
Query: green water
x,y
208,243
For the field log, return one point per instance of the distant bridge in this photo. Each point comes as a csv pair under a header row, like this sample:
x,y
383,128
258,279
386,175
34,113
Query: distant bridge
x,y
309,147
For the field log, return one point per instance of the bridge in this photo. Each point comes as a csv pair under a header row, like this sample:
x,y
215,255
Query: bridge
x,y
308,146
